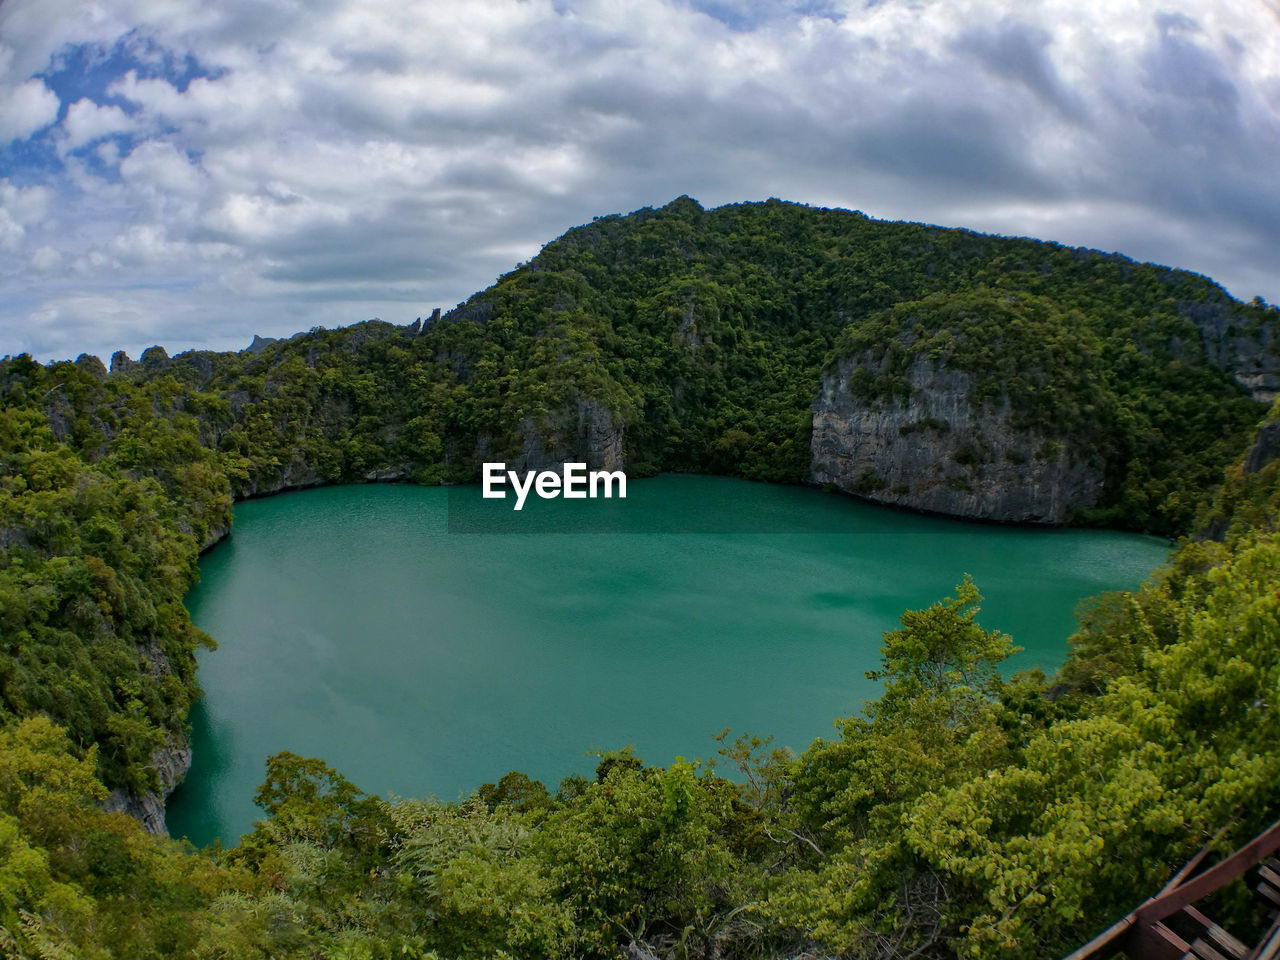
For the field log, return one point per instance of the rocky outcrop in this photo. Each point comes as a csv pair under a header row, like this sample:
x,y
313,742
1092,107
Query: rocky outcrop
x,y
91,365
395,473
585,433
300,475
201,363
296,475
936,451
1265,448
171,763
1248,351
1263,385
259,344
120,363
154,359
215,536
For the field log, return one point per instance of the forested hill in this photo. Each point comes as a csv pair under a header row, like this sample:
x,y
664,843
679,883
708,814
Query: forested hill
x,y
965,814
686,339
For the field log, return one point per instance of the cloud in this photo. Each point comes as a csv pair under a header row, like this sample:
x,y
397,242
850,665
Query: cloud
x,y
86,122
1019,52
241,169
45,259
11,232
20,208
28,107
159,168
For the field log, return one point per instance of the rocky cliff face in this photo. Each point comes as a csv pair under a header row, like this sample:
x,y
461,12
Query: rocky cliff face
x,y
295,475
934,451
171,763
583,433
215,536
1265,448
120,363
1251,355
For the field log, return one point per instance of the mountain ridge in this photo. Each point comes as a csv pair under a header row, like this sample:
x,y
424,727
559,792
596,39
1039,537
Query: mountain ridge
x,y
756,340
702,338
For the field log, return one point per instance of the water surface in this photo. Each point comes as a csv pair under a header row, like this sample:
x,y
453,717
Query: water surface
x,y
353,626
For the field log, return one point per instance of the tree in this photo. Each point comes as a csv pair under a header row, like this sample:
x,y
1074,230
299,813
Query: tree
x,y
940,663
937,725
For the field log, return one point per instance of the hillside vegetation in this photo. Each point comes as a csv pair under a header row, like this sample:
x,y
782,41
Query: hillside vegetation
x,y
964,814
700,337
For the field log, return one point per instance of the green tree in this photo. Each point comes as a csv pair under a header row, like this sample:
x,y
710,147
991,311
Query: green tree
x,y
940,666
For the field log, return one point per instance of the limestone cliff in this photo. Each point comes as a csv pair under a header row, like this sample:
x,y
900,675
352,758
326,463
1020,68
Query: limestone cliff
x,y
935,450
1249,352
585,432
1264,450
171,763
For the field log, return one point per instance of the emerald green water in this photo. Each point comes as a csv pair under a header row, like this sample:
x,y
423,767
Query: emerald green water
x,y
353,626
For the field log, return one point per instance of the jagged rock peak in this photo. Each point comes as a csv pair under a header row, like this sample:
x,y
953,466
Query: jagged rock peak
x,y
259,344
120,363
154,358
91,365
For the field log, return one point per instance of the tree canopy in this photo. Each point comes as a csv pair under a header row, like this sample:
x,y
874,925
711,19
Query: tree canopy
x,y
963,813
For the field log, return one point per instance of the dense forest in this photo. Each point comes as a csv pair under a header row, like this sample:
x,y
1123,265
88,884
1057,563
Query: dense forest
x,y
964,813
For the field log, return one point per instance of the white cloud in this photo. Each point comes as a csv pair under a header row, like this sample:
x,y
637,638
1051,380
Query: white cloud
x,y
158,168
46,259
78,323
11,232
27,107
21,208
27,205
365,157
86,122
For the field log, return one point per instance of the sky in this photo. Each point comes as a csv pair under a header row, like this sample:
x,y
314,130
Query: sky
x,y
191,173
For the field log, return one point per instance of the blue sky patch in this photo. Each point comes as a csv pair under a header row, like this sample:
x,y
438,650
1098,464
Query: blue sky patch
x,y
89,70
86,72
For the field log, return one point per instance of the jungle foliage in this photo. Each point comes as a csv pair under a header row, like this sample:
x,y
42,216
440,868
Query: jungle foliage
x,y
963,814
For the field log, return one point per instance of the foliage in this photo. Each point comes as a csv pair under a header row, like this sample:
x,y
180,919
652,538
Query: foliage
x,y
964,813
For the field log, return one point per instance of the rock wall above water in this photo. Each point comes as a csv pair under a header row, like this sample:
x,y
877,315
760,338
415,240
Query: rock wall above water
x,y
934,450
585,432
171,763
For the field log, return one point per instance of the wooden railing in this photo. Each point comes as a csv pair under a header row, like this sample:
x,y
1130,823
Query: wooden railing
x,y
1170,927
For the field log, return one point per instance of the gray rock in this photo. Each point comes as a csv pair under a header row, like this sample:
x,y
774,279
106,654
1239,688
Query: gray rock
x,y
91,365
199,361
297,475
215,536
585,433
394,473
154,358
259,344
1264,386
936,452
171,763
1266,448
1246,350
